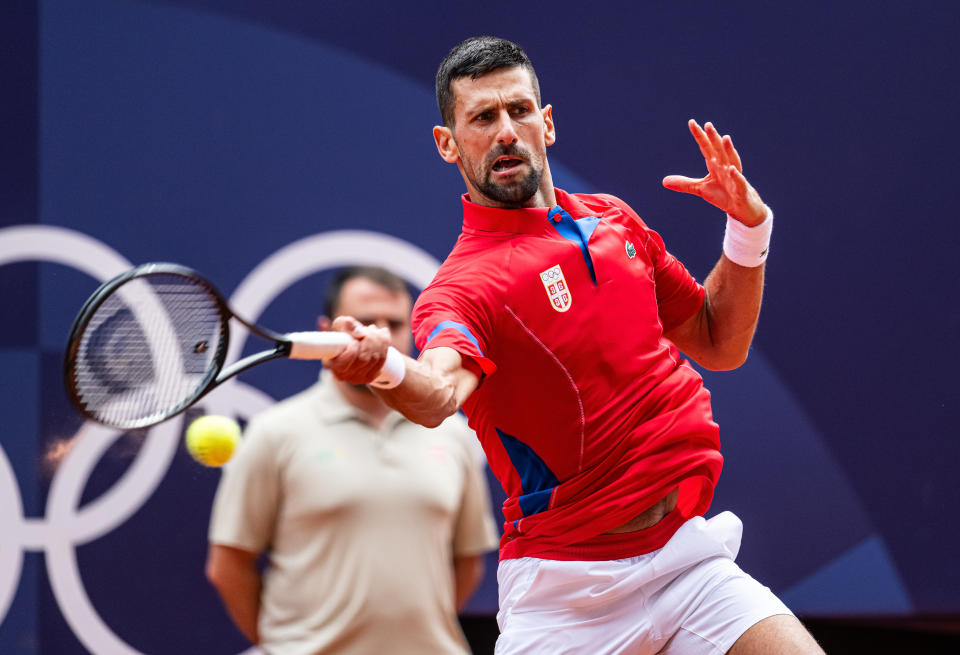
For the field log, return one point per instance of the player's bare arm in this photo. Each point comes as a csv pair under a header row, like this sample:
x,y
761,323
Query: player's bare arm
x,y
718,337
433,387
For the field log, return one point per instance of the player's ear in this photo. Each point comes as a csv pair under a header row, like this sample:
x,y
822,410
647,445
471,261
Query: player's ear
x,y
324,323
550,133
446,145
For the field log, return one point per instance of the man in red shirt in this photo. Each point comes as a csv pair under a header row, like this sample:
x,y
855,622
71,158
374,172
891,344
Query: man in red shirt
x,y
555,324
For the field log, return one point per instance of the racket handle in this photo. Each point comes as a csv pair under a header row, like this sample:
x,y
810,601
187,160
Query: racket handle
x,y
325,345
317,345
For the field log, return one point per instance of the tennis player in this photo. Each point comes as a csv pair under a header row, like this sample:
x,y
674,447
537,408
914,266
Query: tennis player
x,y
555,324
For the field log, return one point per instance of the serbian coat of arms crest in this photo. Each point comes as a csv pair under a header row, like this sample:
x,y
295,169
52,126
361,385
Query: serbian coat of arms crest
x,y
557,289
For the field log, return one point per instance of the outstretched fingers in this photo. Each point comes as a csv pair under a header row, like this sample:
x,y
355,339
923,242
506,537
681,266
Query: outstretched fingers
x,y
723,148
714,137
724,186
717,151
723,166
732,155
703,141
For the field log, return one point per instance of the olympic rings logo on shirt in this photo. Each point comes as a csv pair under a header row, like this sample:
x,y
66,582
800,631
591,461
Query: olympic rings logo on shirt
x,y
65,525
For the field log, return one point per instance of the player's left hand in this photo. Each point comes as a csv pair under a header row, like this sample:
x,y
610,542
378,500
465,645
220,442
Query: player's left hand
x,y
724,186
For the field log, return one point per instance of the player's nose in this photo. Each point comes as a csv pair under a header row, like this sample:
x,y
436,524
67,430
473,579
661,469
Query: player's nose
x,y
506,133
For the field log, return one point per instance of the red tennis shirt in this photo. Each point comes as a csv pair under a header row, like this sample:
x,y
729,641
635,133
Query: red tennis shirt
x,y
587,414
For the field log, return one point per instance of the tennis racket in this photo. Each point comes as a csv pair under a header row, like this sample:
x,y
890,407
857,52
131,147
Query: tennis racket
x,y
152,341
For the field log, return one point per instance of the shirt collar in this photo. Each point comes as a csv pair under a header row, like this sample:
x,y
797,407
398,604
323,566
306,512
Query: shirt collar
x,y
480,218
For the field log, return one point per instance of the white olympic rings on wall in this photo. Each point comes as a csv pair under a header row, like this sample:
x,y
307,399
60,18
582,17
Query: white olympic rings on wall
x,y
65,525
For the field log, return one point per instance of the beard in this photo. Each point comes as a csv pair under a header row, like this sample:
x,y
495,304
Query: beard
x,y
511,193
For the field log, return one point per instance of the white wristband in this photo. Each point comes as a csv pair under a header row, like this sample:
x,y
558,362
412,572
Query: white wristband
x,y
748,246
393,371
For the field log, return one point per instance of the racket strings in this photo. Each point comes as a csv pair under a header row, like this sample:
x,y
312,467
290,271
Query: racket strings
x,y
152,345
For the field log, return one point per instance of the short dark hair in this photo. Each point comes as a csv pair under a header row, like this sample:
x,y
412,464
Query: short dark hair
x,y
475,57
381,276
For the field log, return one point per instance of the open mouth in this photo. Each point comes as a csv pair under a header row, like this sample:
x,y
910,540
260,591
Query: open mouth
x,y
506,164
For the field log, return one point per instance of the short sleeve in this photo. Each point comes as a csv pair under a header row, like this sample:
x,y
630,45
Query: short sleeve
x,y
449,315
247,499
679,295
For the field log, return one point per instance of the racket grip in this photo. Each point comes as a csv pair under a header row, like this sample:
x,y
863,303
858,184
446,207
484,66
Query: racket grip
x,y
324,345
393,371
317,345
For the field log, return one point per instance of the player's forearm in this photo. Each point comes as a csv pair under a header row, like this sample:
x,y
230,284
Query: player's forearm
x,y
433,388
734,295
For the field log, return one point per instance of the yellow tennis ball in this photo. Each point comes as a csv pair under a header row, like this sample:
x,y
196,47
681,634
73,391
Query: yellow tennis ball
x,y
211,440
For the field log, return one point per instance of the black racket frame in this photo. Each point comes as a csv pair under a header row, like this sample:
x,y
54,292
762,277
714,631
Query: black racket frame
x,y
214,375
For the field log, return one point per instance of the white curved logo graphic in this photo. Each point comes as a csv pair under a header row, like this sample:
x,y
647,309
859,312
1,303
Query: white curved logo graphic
x,y
65,525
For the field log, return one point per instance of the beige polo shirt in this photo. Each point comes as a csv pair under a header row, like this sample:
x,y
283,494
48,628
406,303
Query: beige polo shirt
x,y
360,525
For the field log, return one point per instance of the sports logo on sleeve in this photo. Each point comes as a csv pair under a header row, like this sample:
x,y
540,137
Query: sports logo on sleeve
x,y
557,289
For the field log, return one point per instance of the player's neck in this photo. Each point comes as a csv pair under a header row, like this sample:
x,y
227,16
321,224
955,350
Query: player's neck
x,y
544,197
547,194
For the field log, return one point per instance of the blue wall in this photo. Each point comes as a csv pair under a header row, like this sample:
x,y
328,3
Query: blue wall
x,y
221,133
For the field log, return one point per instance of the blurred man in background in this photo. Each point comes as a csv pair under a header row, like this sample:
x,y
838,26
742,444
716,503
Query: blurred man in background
x,y
374,527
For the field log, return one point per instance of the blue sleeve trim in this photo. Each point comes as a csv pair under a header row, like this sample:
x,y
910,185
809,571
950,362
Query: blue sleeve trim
x,y
459,327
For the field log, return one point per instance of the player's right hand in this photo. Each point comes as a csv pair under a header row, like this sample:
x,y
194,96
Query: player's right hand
x,y
362,360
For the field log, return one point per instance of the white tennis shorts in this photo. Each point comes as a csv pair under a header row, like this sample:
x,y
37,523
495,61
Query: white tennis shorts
x,y
688,598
